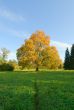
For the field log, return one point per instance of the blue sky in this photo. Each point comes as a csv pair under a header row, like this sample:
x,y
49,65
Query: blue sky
x,y
20,18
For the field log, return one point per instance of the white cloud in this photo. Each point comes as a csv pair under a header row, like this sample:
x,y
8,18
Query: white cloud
x,y
60,44
11,15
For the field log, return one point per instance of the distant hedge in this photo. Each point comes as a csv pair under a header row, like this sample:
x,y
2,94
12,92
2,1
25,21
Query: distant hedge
x,y
6,67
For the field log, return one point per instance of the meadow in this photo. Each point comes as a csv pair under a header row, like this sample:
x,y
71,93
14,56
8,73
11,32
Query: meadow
x,y
44,90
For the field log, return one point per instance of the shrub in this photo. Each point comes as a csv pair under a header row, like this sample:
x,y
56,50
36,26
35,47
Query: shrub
x,y
6,67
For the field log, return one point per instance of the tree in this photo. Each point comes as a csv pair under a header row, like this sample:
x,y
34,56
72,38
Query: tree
x,y
35,52
4,54
67,60
72,58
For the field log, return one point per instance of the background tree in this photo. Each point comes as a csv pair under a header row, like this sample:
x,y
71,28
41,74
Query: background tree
x,y
67,60
4,54
72,58
4,64
35,52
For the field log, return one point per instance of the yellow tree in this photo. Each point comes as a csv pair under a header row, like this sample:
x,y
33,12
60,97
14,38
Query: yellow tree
x,y
35,52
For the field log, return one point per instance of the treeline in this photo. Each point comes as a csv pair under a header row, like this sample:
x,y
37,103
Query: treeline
x,y
69,59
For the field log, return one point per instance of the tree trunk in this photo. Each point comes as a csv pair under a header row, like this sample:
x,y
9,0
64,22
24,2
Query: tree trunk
x,y
37,69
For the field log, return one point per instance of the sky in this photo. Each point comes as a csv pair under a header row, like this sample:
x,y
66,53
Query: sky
x,y
20,18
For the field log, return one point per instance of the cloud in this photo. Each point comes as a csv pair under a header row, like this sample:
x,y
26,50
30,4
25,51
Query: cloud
x,y
11,15
60,44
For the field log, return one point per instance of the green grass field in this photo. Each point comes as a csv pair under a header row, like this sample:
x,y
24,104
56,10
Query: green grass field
x,y
52,90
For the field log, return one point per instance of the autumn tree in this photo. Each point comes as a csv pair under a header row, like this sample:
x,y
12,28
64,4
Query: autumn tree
x,y
36,51
67,60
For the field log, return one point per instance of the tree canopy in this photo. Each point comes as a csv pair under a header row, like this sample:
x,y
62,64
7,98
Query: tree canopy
x,y
36,52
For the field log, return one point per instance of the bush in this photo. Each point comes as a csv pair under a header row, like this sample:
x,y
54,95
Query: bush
x,y
6,67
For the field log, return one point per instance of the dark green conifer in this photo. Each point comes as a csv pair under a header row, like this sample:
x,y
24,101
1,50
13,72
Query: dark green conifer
x,y
67,60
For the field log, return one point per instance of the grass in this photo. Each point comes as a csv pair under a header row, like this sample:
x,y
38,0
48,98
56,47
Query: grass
x,y
45,90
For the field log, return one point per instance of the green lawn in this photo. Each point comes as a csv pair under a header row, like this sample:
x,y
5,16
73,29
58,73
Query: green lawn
x,y
52,90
